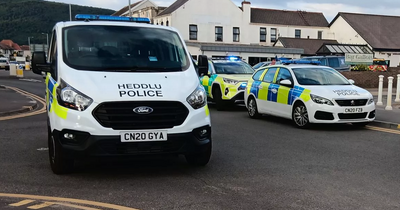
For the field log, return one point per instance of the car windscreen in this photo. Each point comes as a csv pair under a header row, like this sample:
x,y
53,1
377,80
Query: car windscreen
x,y
258,65
233,68
123,48
319,76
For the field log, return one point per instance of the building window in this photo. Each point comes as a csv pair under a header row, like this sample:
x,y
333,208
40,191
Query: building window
x,y
236,34
167,24
263,34
193,32
297,33
273,34
319,34
218,34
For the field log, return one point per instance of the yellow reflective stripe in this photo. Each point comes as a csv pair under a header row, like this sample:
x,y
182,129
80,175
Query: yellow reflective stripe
x,y
305,95
263,93
249,84
276,75
283,95
207,110
59,110
205,80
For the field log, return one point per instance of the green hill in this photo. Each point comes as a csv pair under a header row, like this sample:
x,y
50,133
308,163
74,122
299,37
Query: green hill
x,y
20,19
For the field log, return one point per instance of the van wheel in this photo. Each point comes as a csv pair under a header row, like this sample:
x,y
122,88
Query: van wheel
x,y
252,108
300,115
59,164
200,159
219,103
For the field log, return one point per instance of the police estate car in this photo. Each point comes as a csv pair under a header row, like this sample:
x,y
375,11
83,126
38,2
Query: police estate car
x,y
226,80
118,86
308,93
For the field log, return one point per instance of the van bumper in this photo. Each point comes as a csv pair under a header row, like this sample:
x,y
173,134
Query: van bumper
x,y
86,145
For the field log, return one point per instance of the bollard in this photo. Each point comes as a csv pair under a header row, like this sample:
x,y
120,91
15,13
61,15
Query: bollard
x,y
380,90
398,89
20,71
389,95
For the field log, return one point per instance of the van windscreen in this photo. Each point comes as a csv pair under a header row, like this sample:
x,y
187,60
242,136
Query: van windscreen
x,y
123,48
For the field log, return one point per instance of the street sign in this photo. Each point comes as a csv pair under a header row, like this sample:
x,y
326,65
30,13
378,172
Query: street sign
x,y
354,59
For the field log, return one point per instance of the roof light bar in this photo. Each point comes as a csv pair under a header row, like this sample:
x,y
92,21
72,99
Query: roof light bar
x,y
300,62
112,18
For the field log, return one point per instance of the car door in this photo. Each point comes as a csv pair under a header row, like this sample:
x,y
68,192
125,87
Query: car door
x,y
255,86
281,94
265,94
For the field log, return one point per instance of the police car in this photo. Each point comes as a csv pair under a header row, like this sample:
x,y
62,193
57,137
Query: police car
x,y
118,86
308,93
226,80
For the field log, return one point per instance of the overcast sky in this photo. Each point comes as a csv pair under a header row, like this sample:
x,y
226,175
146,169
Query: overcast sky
x,y
329,7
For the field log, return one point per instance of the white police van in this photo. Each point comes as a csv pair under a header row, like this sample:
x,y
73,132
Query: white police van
x,y
118,87
306,92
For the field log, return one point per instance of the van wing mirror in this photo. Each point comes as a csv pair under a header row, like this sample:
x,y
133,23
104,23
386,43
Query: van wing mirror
x,y
286,82
39,63
203,65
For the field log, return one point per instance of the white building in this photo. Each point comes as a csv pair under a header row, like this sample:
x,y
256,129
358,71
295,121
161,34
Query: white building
x,y
378,32
220,28
144,8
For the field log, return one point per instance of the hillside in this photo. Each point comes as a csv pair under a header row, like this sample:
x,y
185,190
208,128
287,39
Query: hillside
x,y
20,19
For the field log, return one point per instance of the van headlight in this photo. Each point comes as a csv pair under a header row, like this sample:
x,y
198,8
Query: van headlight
x,y
230,81
321,100
370,101
71,98
198,98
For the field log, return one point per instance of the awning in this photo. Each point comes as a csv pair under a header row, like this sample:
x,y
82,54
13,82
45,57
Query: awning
x,y
344,49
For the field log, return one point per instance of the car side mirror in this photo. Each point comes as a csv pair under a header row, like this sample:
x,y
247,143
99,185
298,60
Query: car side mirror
x,y
203,65
352,81
39,63
286,82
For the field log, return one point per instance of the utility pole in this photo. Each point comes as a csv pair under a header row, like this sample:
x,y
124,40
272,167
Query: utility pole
x,y
70,13
130,12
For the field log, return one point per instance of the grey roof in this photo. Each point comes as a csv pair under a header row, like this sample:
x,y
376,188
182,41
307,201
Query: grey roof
x,y
379,31
174,6
345,48
244,48
125,9
285,17
310,46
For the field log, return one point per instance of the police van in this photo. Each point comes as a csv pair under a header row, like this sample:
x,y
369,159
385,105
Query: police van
x,y
121,87
306,92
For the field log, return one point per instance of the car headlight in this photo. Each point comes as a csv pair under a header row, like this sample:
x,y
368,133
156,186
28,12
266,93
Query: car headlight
x,y
71,98
370,101
321,100
230,81
198,98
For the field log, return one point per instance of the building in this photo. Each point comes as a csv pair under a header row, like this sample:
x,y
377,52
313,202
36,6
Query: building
x,y
240,30
144,8
378,32
311,46
10,49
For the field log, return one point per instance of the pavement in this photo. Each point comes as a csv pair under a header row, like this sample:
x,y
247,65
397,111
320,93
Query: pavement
x,y
14,102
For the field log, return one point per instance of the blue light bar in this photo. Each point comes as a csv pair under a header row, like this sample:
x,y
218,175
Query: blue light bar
x,y
300,62
112,18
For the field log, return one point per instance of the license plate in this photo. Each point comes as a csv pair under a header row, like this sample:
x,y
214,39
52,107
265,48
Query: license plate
x,y
139,136
353,110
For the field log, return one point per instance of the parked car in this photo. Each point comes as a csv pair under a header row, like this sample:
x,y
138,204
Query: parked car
x,y
336,62
3,63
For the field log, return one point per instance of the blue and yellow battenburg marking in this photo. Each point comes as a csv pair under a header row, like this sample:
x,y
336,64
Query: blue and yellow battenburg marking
x,y
51,98
283,95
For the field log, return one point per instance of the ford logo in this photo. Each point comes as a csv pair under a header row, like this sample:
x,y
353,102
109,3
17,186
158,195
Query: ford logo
x,y
143,110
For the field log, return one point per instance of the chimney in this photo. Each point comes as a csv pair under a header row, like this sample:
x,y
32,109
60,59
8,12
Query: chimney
x,y
246,7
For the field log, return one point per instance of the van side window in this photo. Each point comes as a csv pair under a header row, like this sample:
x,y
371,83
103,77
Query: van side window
x,y
323,62
52,56
334,62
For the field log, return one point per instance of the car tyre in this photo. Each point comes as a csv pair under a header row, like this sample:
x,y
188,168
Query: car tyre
x,y
200,159
252,108
59,164
300,115
219,102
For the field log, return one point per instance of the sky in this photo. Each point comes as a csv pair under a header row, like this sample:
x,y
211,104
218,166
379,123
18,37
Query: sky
x,y
329,7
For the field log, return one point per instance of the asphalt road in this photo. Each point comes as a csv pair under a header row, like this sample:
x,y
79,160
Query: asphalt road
x,y
256,164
